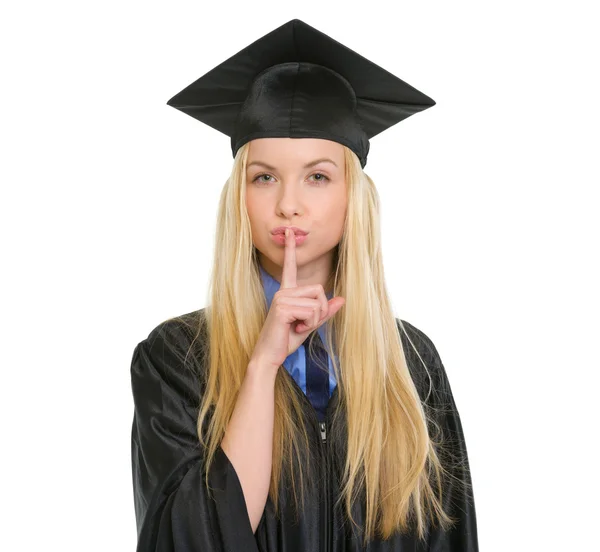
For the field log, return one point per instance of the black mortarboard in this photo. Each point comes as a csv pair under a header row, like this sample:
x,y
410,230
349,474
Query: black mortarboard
x,y
297,82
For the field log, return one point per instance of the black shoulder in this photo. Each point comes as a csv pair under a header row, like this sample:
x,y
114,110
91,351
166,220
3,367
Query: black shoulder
x,y
419,339
173,353
178,327
181,335
425,364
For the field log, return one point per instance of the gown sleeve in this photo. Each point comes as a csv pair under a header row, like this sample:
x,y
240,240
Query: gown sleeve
x,y
458,498
173,510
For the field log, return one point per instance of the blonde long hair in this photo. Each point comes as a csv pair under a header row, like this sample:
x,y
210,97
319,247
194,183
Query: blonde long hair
x,y
392,460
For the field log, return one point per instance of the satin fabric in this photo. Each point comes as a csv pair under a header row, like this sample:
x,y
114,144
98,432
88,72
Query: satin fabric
x,y
298,82
173,510
317,381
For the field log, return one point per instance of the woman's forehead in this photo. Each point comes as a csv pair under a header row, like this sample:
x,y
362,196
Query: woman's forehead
x,y
293,150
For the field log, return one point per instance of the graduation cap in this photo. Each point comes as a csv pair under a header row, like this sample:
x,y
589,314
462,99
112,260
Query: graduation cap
x,y
297,82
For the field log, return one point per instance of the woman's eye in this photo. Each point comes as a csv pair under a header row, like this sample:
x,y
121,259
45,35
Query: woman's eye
x,y
258,178
321,179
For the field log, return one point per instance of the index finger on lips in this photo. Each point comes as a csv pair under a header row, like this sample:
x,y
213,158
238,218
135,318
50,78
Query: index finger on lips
x,y
288,276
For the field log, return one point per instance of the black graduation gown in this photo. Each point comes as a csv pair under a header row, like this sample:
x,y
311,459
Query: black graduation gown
x,y
173,510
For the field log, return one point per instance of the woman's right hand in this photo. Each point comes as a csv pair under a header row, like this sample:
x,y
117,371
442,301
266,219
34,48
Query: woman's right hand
x,y
294,313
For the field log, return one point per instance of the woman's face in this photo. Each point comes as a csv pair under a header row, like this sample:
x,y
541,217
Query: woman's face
x,y
283,190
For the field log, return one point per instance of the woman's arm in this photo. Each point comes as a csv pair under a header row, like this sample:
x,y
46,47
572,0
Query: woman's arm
x,y
248,440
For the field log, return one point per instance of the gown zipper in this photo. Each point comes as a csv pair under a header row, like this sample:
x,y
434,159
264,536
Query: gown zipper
x,y
323,429
327,522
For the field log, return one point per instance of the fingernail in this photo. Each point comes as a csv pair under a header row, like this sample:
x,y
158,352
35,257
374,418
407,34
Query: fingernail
x,y
287,232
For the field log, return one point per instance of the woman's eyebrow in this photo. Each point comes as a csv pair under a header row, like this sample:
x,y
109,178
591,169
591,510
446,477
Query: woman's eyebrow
x,y
307,166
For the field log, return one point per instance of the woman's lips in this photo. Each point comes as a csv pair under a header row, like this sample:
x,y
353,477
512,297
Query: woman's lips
x,y
279,239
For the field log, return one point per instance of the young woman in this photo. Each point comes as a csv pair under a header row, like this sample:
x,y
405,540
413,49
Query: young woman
x,y
296,412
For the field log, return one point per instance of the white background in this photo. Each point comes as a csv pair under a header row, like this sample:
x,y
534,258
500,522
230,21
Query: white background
x,y
490,222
